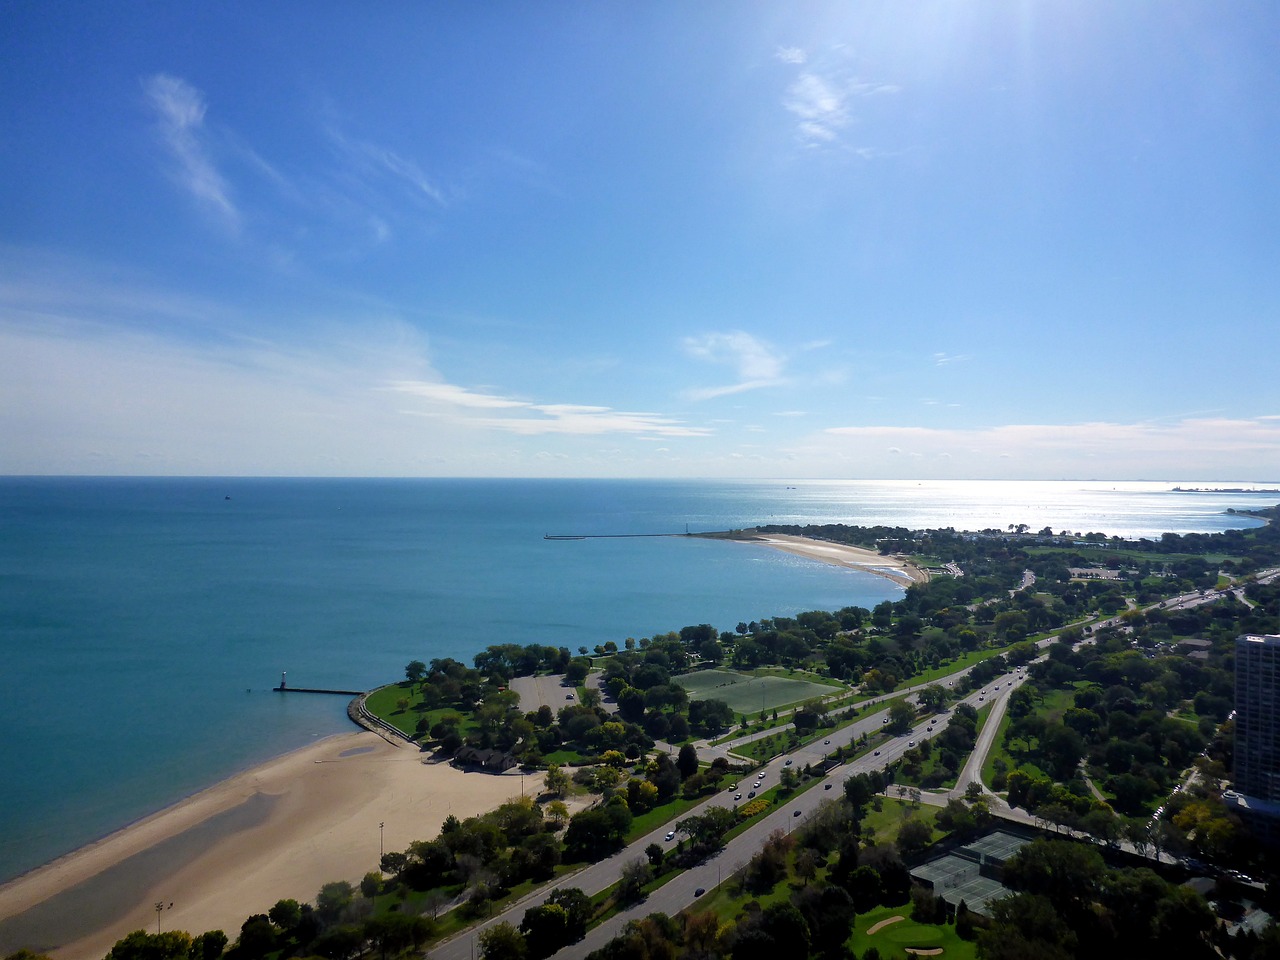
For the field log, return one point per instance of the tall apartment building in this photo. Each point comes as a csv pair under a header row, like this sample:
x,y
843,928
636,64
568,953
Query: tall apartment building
x,y
1256,783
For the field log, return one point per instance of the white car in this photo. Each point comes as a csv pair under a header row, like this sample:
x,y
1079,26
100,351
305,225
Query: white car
x,y
671,835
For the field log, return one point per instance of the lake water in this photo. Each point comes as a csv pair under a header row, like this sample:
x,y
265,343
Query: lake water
x,y
144,621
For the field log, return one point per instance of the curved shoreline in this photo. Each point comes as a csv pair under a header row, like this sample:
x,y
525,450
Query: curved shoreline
x,y
283,828
892,567
279,830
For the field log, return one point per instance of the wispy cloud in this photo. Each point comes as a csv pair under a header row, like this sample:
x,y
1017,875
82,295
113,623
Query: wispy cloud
x,y
820,97
756,362
819,106
447,399
180,110
942,359
379,162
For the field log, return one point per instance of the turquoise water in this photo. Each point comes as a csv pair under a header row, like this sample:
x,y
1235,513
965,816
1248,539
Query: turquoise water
x,y
143,621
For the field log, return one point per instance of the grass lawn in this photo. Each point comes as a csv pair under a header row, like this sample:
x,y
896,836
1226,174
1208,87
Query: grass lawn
x,y
945,670
749,694
892,939
1054,705
792,674
384,701
884,823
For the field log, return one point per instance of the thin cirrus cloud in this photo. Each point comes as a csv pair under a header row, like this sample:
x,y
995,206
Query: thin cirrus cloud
x,y
377,161
180,110
819,98
541,418
366,185
756,362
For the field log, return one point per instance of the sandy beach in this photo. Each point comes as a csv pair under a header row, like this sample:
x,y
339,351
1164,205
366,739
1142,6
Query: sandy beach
x,y
280,830
897,569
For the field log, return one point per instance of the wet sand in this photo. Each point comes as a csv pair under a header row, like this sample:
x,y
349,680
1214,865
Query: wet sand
x,y
280,830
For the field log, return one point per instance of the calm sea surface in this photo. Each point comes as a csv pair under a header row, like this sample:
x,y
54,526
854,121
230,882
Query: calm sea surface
x,y
144,621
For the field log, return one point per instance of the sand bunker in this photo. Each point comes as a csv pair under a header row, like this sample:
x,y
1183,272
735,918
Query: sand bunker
x,y
882,924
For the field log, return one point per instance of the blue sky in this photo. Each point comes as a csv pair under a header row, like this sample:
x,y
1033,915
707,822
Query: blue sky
x,y
848,240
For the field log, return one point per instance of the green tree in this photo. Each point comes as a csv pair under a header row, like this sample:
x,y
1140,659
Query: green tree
x,y
502,941
415,671
933,698
556,780
577,906
545,928
687,761
913,836
635,874
333,899
140,945
901,716
286,914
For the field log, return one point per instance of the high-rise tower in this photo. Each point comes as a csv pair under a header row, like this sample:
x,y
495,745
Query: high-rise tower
x,y
1257,747
1255,792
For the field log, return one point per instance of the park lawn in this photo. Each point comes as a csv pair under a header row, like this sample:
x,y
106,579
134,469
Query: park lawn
x,y
749,694
1052,707
728,899
883,824
891,941
650,820
383,703
950,667
790,673
564,756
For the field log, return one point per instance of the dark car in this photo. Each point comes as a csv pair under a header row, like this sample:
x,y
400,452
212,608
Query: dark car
x,y
826,786
751,794
700,891
796,814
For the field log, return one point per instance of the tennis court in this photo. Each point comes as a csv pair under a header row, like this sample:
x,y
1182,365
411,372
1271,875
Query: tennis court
x,y
960,875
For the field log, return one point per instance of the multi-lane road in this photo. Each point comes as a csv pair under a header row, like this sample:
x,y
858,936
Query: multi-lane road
x,y
685,889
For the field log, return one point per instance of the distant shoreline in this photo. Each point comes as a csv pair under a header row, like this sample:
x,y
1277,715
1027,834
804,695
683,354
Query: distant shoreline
x,y
896,568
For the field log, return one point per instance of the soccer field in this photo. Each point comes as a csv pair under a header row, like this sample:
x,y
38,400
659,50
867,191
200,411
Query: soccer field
x,y
747,694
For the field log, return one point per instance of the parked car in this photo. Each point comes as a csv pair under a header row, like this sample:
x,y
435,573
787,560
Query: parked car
x,y
751,795
796,813
826,786
671,835
788,763
700,891
737,796
877,753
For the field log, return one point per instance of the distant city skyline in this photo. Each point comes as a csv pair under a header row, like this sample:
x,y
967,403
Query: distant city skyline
x,y
844,240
